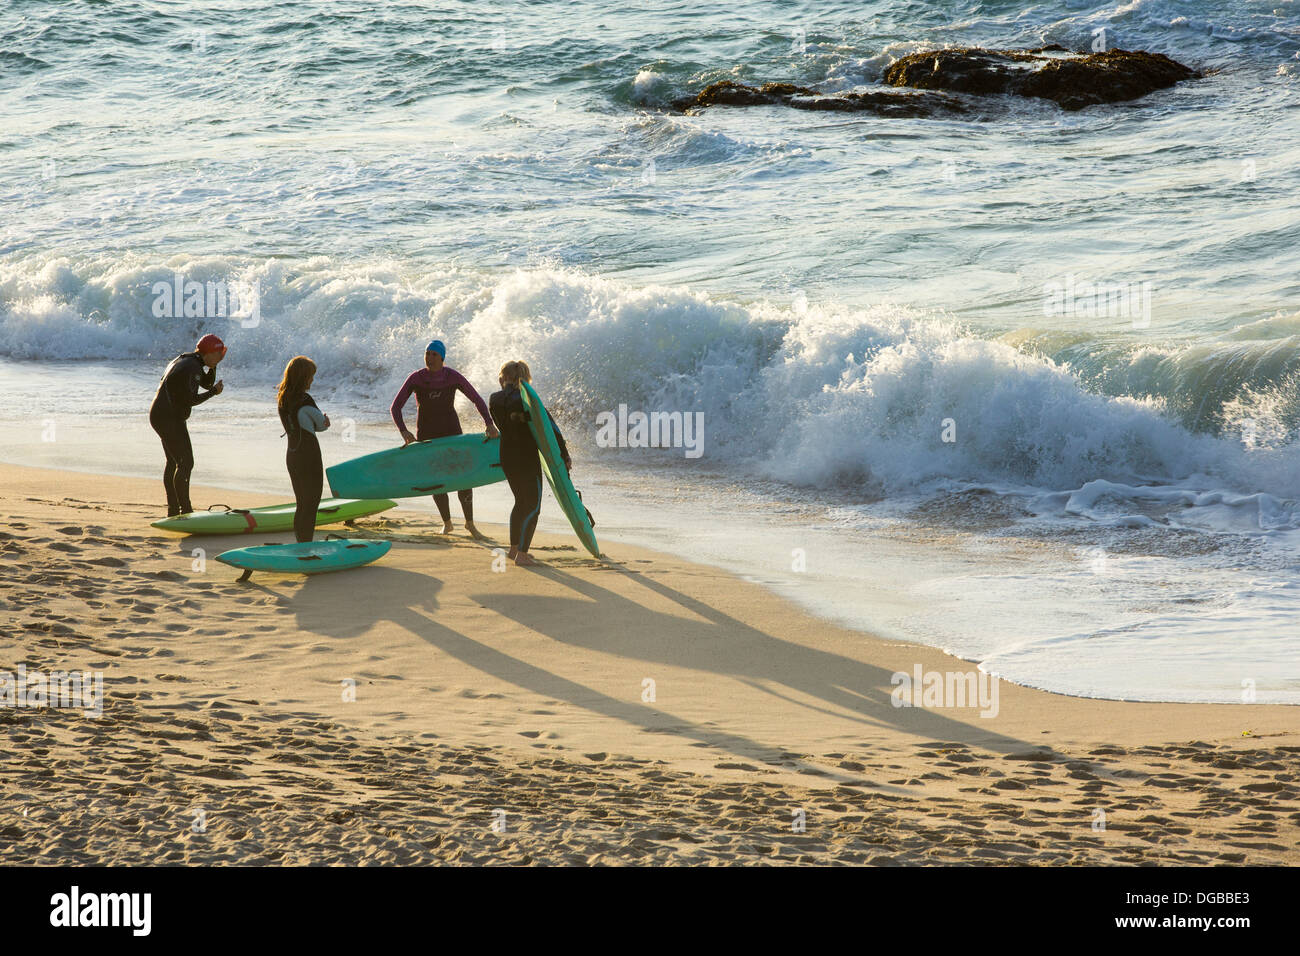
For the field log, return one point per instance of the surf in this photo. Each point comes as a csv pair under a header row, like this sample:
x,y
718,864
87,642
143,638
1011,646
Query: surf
x,y
817,395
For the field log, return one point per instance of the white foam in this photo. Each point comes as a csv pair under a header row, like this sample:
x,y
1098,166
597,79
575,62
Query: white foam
x,y
819,396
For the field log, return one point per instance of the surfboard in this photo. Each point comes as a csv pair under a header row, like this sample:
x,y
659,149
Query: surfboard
x,y
557,476
272,518
436,466
307,557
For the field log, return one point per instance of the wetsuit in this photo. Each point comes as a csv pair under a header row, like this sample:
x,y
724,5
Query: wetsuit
x,y
435,396
304,462
177,393
521,463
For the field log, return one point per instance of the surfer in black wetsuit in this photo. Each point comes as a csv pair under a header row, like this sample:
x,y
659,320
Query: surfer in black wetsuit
x,y
302,420
178,392
519,457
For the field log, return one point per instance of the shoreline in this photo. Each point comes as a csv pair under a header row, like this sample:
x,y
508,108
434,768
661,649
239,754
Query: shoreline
x,y
525,691
1094,604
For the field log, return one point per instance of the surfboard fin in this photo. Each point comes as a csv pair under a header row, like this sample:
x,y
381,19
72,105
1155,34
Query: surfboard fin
x,y
590,520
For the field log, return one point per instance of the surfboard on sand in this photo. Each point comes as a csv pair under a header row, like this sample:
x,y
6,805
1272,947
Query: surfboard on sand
x,y
436,466
568,497
307,557
228,520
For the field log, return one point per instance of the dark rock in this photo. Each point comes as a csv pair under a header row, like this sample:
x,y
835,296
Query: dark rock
x,y
1072,80
882,103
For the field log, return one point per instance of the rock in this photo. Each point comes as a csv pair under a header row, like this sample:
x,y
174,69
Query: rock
x,y
882,102
1073,81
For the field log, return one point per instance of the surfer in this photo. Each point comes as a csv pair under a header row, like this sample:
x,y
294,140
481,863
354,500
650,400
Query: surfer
x,y
435,388
519,457
302,420
178,392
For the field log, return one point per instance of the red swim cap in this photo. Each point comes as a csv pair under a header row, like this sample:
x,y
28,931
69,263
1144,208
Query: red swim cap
x,y
210,343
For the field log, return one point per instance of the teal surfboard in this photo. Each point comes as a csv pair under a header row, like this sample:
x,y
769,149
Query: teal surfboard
x,y
271,518
307,557
568,497
432,467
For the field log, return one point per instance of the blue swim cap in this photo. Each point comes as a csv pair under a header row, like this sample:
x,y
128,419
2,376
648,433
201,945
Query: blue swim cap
x,y
437,346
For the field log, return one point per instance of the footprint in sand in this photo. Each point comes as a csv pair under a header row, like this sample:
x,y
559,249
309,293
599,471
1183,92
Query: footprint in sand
x,y
164,575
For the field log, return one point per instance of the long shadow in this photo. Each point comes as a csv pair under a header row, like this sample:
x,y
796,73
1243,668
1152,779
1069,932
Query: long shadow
x,y
314,614
848,688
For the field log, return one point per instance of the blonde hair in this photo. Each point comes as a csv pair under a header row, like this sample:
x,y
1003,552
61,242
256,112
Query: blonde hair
x,y
516,371
297,374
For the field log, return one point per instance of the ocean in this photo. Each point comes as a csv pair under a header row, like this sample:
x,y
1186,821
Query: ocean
x,y
1024,385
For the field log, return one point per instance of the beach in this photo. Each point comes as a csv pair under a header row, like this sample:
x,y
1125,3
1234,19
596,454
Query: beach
x,y
642,710
927,374
1028,345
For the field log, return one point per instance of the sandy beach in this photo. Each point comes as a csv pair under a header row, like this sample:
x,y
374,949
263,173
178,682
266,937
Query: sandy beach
x,y
639,711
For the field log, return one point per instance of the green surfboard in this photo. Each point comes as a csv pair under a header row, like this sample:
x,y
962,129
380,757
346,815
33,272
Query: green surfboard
x,y
432,467
568,497
270,518
307,557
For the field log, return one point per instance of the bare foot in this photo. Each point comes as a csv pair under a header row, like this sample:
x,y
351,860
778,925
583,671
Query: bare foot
x,y
447,527
511,553
524,559
473,531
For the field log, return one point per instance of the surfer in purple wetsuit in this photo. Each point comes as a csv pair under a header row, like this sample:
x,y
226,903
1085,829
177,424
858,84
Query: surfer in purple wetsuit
x,y
435,388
